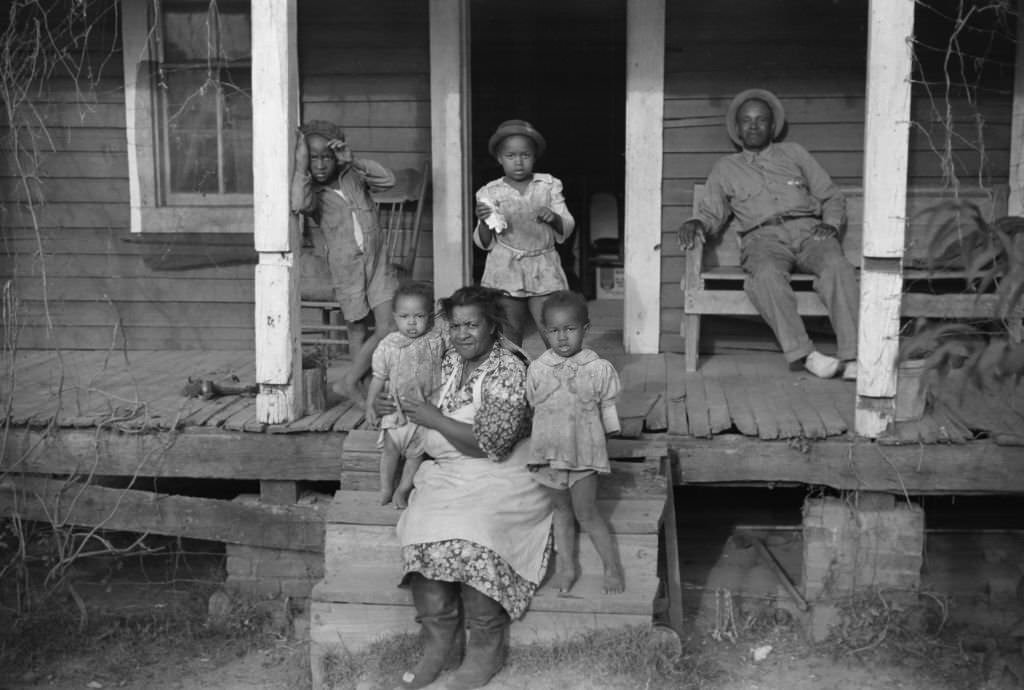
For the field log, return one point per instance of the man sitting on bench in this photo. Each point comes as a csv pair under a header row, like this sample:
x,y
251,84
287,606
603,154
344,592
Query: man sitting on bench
x,y
789,213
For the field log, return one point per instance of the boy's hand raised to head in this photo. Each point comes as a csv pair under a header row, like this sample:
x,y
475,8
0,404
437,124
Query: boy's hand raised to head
x,y
342,152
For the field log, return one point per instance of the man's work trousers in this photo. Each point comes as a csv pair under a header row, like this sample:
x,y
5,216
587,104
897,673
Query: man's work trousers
x,y
770,254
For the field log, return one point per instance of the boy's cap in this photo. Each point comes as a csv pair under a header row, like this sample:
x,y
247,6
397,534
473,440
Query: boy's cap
x,y
778,112
510,128
326,129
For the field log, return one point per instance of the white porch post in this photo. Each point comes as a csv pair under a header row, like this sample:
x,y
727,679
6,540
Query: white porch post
x,y
450,131
645,103
1016,201
886,152
275,98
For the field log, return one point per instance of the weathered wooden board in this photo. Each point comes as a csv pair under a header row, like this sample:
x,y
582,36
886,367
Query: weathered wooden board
x,y
200,453
624,515
973,468
298,528
340,628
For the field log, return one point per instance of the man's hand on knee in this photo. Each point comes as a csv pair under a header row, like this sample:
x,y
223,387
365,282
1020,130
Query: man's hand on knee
x,y
823,231
690,232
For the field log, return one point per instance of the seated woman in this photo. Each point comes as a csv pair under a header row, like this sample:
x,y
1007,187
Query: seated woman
x,y
475,537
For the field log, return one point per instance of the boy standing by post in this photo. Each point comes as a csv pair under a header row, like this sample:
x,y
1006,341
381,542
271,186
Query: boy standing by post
x,y
333,187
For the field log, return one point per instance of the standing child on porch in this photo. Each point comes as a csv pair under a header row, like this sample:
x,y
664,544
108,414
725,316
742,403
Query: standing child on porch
x,y
333,187
573,392
521,216
406,366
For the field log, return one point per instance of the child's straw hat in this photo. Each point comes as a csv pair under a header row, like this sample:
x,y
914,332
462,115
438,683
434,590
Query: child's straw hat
x,y
510,128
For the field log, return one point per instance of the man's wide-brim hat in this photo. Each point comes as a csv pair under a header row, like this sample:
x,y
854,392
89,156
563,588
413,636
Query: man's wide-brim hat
x,y
510,128
778,112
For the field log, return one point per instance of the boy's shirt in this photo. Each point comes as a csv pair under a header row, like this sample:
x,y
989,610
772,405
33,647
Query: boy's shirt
x,y
346,200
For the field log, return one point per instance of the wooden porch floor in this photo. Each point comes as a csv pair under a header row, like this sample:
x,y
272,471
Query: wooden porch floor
x,y
739,392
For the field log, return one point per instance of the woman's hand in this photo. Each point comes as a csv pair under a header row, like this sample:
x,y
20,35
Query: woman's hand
x,y
422,413
384,405
482,211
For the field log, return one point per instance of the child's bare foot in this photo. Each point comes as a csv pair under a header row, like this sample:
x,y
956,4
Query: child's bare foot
x,y
385,497
613,580
401,498
565,577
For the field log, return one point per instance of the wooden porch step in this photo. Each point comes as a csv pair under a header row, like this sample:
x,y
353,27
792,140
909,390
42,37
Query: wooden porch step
x,y
336,627
350,551
625,515
379,586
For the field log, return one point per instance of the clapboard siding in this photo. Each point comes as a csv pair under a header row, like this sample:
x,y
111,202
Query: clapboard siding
x,y
366,67
812,55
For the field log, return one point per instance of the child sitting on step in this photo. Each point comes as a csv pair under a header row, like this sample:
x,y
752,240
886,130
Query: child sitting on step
x,y
406,364
572,391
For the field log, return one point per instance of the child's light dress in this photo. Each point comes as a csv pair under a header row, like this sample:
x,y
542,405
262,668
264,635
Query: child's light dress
x,y
410,369
574,409
522,259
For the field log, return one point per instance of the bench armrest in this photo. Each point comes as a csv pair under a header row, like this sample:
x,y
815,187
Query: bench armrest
x,y
694,266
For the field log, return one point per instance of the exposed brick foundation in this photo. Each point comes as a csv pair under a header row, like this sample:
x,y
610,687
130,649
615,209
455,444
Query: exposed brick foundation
x,y
851,545
273,572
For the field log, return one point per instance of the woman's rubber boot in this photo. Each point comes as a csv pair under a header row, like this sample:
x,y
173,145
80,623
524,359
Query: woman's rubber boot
x,y
488,641
437,611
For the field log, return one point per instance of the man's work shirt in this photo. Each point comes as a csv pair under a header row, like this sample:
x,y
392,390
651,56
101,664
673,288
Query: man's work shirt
x,y
783,180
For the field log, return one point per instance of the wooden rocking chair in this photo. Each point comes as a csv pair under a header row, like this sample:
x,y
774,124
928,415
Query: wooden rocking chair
x,y
399,216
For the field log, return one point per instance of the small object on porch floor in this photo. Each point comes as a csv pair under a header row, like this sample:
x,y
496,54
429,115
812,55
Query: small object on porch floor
x,y
850,371
207,389
822,366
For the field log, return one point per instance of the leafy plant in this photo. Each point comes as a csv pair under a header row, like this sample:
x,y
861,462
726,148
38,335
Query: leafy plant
x,y
991,255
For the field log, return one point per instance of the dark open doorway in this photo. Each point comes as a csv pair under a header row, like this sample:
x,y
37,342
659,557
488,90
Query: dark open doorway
x,y
562,66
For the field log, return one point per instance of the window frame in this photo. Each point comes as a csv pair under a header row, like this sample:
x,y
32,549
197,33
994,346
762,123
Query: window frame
x,y
153,208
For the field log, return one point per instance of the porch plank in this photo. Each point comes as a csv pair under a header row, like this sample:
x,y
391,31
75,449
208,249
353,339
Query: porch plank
x,y
825,404
696,406
763,408
675,392
718,408
739,406
811,423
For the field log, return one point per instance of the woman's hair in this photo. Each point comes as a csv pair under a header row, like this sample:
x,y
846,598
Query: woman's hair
x,y
488,300
414,288
566,299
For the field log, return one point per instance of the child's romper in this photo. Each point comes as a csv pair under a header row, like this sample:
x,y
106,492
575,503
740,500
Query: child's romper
x,y
410,369
522,259
361,272
574,409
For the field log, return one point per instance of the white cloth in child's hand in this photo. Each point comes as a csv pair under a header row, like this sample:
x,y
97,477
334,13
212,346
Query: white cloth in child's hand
x,y
495,221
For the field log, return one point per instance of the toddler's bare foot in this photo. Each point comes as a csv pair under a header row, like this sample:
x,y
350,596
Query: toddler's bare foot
x,y
613,580
385,497
565,577
401,498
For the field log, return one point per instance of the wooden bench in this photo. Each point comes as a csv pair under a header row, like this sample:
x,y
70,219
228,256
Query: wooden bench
x,y
713,280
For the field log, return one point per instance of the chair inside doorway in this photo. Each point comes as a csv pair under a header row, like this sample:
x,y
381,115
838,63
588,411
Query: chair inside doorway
x,y
400,218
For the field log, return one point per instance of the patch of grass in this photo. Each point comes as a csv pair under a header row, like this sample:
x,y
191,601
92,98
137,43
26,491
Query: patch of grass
x,y
638,656
54,640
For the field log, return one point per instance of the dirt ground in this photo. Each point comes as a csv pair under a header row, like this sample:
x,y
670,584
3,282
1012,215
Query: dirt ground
x,y
139,626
